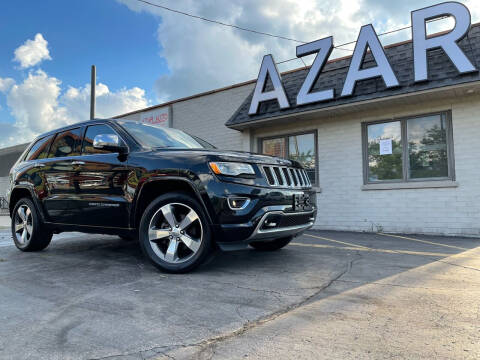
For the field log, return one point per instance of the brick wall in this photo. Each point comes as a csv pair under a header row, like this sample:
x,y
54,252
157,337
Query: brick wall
x,y
205,116
344,206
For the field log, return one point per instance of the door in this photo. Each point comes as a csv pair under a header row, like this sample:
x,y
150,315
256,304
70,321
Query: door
x,y
101,177
58,169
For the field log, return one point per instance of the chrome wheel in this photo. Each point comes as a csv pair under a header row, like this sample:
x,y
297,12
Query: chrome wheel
x,y
23,225
175,233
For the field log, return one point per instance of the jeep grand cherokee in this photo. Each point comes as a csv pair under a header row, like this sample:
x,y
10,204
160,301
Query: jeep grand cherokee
x,y
175,193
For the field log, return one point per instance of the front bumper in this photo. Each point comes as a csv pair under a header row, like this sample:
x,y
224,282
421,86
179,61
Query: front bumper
x,y
270,215
275,223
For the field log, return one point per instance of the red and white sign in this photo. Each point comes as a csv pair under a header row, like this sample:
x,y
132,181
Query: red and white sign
x,y
158,117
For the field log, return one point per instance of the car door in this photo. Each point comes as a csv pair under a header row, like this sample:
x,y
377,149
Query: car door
x,y
101,177
59,176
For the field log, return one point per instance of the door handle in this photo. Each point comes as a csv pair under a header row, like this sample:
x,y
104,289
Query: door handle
x,y
78,162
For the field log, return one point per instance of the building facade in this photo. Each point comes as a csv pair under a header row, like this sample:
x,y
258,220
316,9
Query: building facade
x,y
400,159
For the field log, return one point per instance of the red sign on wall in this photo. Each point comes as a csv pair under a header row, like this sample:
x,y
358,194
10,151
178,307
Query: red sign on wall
x,y
158,117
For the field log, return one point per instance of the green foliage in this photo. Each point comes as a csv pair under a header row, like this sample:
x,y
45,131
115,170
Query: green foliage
x,y
427,159
385,167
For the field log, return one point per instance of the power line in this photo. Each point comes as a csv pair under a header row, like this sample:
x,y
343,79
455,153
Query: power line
x,y
339,47
221,23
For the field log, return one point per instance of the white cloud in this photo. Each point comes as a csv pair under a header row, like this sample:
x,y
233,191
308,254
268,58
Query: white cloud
x,y
34,104
203,56
32,52
6,84
38,105
108,103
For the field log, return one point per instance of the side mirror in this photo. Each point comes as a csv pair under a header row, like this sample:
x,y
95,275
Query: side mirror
x,y
109,142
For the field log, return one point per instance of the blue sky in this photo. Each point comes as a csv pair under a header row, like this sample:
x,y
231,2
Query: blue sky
x,y
120,42
145,55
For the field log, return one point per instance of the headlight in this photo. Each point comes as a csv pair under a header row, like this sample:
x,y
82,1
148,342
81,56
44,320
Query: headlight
x,y
231,168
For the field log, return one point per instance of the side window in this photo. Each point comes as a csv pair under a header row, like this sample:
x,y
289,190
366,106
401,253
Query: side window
x,y
93,131
66,143
40,149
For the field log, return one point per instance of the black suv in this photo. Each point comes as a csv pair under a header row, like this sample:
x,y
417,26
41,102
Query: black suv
x,y
174,192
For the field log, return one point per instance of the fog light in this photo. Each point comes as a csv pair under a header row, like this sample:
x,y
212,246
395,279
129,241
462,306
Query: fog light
x,y
238,203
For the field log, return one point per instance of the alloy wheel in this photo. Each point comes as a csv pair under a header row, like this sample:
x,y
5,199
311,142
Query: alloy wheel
x,y
175,233
23,225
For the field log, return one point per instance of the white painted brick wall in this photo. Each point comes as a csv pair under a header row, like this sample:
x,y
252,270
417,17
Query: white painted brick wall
x,y
205,116
344,206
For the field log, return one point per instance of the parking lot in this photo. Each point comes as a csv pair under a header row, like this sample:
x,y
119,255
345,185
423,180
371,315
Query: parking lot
x,y
326,295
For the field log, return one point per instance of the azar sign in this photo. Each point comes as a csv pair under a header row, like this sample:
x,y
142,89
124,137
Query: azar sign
x,y
368,39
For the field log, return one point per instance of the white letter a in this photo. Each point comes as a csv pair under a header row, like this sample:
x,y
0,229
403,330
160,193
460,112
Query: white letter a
x,y
268,68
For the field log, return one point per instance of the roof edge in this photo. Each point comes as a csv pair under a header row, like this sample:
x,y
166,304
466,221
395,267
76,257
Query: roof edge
x,y
246,125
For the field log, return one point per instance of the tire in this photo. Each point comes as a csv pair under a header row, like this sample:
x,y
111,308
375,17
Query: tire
x,y
28,231
174,233
271,245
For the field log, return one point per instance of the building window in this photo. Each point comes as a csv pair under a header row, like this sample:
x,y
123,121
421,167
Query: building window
x,y
410,149
299,147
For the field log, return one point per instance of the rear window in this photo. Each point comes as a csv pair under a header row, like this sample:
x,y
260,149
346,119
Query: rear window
x,y
67,143
39,150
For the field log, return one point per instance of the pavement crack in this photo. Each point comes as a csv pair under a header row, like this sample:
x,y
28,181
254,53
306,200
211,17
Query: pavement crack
x,y
208,345
247,287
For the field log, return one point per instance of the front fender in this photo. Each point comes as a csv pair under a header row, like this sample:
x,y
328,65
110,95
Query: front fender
x,y
193,184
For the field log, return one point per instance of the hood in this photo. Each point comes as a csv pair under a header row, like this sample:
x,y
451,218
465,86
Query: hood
x,y
235,156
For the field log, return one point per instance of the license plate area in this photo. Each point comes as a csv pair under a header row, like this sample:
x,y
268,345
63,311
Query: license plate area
x,y
302,202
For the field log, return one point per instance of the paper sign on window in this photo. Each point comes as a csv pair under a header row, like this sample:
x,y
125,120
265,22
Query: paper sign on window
x,y
386,147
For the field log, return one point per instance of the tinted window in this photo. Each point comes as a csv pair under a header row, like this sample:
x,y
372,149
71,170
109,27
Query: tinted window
x,y
93,131
66,143
157,137
40,149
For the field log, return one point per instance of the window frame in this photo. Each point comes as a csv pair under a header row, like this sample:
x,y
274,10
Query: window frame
x,y
286,136
447,114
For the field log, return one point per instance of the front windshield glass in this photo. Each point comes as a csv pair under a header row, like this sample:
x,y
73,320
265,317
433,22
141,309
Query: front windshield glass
x,y
157,137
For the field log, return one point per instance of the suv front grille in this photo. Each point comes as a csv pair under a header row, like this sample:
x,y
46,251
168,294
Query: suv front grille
x,y
286,176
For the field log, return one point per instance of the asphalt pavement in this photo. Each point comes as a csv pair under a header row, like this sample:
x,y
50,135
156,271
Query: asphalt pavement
x,y
328,295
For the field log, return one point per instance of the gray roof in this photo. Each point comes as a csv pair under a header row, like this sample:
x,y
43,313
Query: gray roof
x,y
441,72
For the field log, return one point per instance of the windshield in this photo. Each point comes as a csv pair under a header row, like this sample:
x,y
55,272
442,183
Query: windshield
x,y
157,137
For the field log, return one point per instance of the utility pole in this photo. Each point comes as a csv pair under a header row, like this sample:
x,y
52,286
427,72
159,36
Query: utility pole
x,y
93,83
